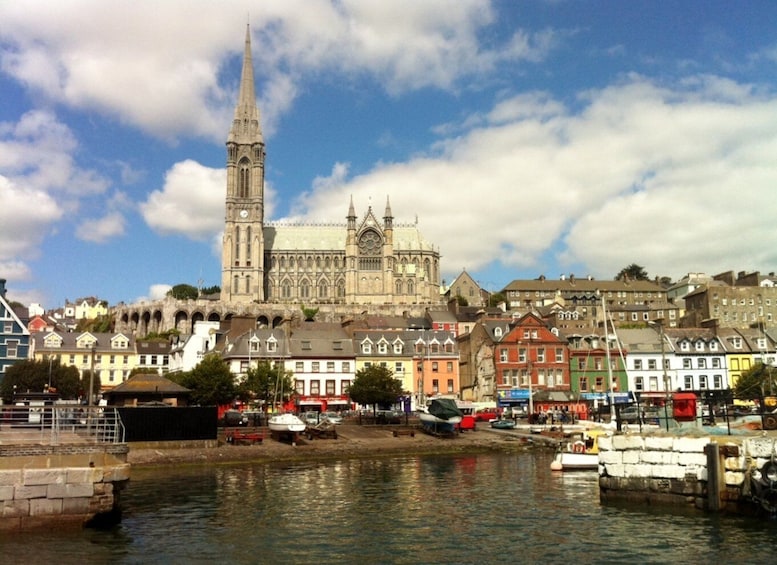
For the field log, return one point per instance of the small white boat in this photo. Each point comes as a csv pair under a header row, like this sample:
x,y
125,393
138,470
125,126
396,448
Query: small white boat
x,y
286,423
580,454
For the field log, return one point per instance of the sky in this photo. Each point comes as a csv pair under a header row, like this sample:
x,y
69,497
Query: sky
x,y
526,138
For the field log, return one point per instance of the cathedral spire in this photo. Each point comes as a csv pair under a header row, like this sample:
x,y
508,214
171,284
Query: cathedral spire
x,y
246,126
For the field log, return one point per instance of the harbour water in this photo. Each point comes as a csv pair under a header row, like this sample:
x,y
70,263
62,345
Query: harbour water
x,y
485,508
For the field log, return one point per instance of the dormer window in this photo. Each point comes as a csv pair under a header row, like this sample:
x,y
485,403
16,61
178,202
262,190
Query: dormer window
x,y
366,347
398,347
700,345
685,346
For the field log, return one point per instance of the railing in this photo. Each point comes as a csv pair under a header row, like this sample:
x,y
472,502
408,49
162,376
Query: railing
x,y
60,424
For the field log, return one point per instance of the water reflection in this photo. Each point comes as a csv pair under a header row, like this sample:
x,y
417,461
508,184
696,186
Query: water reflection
x,y
467,509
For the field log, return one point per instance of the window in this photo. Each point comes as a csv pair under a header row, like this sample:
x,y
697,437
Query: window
x,y
315,388
687,363
503,356
272,346
702,381
330,388
652,364
540,355
639,383
12,348
717,381
583,384
581,364
702,363
346,368
330,366
315,366
522,355
598,364
435,369
559,355
299,366
450,386
435,386
449,366
688,382
398,347
299,387
366,347
345,386
383,348
716,363
398,368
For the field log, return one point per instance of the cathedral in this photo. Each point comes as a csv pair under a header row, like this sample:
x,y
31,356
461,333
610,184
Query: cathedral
x,y
365,260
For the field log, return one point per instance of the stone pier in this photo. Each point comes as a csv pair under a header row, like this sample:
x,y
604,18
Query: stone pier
x,y
713,473
64,485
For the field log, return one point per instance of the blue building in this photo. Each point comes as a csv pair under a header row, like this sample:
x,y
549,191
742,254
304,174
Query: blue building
x,y
14,335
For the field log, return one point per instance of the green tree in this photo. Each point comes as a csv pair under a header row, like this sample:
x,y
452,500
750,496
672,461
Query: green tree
x,y
375,385
758,381
633,272
206,290
495,298
266,384
33,375
183,292
309,313
461,301
210,382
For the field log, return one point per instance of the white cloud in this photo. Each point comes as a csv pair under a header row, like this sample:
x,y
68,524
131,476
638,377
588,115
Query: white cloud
x,y
100,230
189,202
126,60
25,215
644,174
155,292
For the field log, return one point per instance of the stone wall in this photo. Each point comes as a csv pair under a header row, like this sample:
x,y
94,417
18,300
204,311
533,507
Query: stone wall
x,y
718,473
61,486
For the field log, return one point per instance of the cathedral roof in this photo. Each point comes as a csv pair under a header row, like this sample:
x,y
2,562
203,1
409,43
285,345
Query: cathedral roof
x,y
281,237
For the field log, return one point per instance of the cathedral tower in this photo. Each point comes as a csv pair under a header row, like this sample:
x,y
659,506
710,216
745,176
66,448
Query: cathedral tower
x,y
242,256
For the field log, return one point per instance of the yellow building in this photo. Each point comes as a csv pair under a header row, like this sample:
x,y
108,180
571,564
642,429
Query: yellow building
x,y
111,355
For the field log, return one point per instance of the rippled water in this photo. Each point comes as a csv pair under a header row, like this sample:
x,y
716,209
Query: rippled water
x,y
488,508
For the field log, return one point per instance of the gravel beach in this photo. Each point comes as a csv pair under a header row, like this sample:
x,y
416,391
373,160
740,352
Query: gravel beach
x,y
352,441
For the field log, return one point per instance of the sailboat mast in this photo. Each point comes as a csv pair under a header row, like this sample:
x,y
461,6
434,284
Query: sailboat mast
x,y
609,364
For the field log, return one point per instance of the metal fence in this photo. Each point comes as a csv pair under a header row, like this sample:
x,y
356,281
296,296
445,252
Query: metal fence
x,y
60,424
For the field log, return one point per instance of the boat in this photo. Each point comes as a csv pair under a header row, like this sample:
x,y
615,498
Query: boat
x,y
579,454
286,423
441,416
503,424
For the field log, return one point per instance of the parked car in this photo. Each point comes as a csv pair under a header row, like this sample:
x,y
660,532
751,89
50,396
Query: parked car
x,y
234,418
311,417
485,414
332,417
389,417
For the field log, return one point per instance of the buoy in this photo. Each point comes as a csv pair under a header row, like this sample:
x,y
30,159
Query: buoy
x,y
556,466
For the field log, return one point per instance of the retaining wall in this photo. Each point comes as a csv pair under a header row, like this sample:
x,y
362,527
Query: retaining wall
x,y
61,485
715,473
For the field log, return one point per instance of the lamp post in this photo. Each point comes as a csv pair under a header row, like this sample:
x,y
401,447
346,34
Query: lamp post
x,y
90,399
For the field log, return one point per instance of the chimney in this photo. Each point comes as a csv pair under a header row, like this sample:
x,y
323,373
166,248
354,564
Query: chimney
x,y
2,288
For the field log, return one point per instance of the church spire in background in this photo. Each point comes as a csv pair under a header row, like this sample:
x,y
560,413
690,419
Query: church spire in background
x,y
246,127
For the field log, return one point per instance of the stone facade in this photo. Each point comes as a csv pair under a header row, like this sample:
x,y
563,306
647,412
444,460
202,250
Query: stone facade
x,y
64,485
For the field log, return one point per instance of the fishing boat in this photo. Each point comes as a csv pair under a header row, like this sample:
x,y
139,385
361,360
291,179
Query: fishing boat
x,y
441,416
286,423
579,454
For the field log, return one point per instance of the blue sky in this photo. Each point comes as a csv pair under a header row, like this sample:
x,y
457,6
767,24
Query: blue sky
x,y
528,138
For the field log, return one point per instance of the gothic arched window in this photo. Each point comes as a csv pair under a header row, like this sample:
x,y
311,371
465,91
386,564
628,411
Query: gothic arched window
x,y
243,179
370,251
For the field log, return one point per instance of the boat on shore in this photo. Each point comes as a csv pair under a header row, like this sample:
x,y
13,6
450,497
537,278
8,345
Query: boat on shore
x,y
441,416
579,454
286,423
503,424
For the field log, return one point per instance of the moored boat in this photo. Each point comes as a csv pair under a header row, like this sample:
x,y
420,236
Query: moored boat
x,y
286,423
441,416
579,454
503,424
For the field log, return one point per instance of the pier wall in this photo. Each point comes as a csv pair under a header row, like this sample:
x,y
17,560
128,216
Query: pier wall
x,y
719,474
61,485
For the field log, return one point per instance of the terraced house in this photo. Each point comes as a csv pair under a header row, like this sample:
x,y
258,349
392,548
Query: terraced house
x,y
14,335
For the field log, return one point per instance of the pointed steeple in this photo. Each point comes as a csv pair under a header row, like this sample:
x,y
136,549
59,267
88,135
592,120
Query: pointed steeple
x,y
246,127
388,217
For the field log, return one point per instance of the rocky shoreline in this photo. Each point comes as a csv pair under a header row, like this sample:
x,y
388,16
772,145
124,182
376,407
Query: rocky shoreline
x,y
352,441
